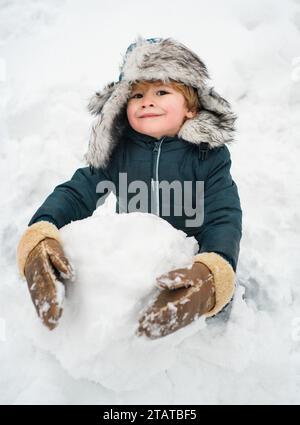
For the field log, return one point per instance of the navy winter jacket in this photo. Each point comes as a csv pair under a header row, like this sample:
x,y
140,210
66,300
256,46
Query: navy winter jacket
x,y
152,160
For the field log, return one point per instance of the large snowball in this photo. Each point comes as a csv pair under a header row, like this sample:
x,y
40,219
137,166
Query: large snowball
x,y
116,258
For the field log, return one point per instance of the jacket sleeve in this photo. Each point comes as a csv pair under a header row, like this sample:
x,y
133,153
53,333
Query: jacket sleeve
x,y
75,199
221,230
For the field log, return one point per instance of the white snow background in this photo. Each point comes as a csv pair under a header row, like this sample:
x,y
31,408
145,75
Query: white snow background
x,y
53,56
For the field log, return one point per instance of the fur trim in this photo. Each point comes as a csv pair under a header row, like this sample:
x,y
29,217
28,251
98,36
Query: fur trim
x,y
163,60
32,236
103,138
167,59
224,278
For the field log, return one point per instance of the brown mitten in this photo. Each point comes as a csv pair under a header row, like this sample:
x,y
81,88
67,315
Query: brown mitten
x,y
187,294
42,262
45,269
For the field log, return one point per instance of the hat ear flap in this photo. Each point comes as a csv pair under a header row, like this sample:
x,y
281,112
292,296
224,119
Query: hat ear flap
x,y
212,101
98,100
108,106
214,124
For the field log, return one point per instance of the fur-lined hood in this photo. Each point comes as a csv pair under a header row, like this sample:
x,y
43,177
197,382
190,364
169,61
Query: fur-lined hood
x,y
157,59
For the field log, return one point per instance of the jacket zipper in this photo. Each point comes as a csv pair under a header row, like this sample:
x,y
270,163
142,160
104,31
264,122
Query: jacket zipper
x,y
155,178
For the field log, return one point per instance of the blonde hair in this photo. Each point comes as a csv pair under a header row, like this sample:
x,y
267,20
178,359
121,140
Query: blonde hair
x,y
189,93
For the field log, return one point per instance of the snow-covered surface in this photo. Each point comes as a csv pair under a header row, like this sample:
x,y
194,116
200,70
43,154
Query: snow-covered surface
x,y
53,56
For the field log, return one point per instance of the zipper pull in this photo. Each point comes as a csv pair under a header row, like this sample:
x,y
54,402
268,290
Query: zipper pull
x,y
156,146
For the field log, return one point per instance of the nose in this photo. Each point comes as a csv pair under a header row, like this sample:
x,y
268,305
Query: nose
x,y
147,100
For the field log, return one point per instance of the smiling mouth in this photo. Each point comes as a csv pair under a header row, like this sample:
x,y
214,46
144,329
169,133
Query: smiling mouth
x,y
150,116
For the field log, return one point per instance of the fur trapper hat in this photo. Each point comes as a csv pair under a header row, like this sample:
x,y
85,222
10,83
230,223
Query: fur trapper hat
x,y
157,59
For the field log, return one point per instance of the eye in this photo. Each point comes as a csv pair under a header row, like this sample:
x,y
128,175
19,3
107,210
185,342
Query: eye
x,y
140,94
136,94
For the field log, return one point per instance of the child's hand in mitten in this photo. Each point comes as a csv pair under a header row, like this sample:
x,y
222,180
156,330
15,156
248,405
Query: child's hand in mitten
x,y
186,294
184,277
45,268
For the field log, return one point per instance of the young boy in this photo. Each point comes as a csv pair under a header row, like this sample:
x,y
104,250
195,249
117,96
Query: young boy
x,y
160,123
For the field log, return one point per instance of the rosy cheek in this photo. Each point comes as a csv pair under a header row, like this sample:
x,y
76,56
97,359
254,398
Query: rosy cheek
x,y
131,107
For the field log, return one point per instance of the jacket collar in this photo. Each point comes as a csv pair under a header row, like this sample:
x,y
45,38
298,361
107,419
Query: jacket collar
x,y
135,135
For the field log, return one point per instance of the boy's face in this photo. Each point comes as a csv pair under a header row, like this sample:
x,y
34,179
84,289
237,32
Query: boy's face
x,y
166,105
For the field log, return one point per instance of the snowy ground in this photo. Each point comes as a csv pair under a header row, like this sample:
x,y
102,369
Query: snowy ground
x,y
53,56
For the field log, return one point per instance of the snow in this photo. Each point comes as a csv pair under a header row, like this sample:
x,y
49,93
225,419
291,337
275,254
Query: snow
x,y
53,56
60,293
178,282
103,304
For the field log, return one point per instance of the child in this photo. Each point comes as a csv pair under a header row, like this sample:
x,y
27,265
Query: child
x,y
159,123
